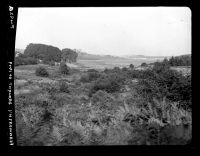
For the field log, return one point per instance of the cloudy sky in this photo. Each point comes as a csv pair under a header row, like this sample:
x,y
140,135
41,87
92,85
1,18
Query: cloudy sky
x,y
153,31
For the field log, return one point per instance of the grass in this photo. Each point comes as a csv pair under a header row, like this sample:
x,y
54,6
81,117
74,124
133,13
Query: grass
x,y
111,63
57,111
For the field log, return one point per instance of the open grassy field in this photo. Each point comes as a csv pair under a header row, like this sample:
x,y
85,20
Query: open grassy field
x,y
61,110
111,63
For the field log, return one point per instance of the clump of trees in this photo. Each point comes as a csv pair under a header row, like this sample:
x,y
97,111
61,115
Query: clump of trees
x,y
47,53
23,59
69,55
161,82
183,60
50,54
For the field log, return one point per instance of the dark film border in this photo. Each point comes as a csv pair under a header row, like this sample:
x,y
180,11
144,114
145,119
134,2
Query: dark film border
x,y
12,11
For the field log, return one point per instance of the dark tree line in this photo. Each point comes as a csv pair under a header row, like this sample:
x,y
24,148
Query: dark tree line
x,y
48,54
183,60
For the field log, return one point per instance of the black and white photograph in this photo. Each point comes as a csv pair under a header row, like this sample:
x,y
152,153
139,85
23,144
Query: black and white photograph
x,y
93,76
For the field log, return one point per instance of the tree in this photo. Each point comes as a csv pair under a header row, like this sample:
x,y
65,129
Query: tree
x,y
69,55
131,66
43,52
171,61
143,64
183,60
23,59
64,69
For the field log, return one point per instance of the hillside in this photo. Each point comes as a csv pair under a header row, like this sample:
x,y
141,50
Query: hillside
x,y
144,57
86,56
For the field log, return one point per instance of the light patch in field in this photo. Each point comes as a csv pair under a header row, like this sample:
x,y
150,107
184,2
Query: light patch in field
x,y
26,89
20,82
72,65
46,80
22,91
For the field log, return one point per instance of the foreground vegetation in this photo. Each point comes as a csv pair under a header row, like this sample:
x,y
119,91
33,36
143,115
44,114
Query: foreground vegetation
x,y
111,107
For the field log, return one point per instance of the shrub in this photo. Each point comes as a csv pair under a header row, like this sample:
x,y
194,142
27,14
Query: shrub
x,y
31,60
124,69
143,64
41,71
116,69
64,69
110,83
161,81
131,66
92,70
133,74
93,76
84,78
32,114
24,60
51,63
64,87
160,67
102,99
106,70
90,76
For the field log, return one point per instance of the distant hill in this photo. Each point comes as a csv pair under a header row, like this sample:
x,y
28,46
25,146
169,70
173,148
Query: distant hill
x,y
86,56
144,57
135,58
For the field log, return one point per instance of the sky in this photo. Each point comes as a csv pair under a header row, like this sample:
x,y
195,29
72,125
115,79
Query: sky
x,y
152,31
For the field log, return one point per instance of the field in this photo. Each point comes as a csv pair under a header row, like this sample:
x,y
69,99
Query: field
x,y
62,110
111,63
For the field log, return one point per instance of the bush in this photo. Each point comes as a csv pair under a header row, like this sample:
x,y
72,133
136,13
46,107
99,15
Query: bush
x,y
64,69
133,74
49,62
143,64
102,99
90,76
116,69
41,71
109,83
106,70
92,70
131,66
64,87
93,76
31,60
160,67
84,78
23,60
163,82
124,69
